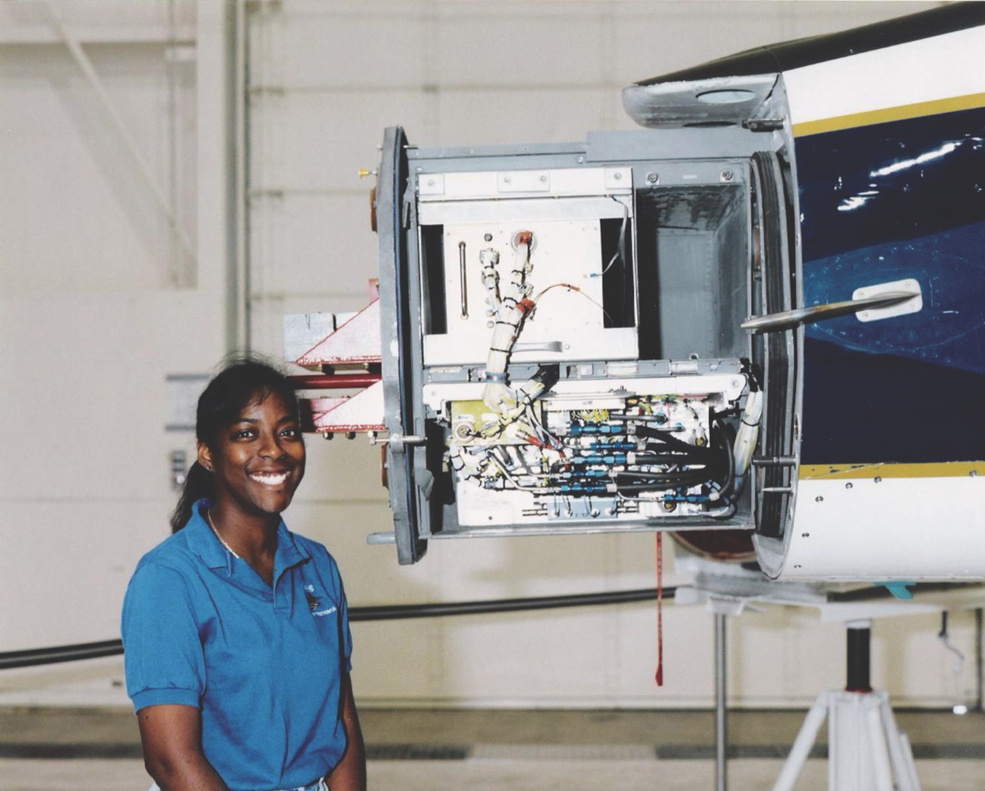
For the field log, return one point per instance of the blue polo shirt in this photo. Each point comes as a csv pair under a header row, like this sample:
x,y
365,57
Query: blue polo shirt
x,y
201,628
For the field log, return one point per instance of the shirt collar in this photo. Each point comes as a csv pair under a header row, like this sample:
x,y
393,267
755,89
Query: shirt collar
x,y
204,543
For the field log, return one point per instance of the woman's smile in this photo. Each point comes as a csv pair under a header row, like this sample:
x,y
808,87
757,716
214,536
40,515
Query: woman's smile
x,y
273,479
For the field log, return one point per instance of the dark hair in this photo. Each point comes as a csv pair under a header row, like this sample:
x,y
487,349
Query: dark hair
x,y
242,380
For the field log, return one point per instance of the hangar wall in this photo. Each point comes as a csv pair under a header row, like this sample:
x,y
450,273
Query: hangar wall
x,y
97,289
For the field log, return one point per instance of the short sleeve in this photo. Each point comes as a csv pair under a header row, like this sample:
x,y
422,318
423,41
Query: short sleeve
x,y
163,658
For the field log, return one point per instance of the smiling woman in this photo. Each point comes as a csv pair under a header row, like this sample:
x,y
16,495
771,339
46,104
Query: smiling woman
x,y
235,629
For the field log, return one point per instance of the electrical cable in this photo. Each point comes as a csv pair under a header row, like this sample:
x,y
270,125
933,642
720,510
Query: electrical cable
x,y
387,612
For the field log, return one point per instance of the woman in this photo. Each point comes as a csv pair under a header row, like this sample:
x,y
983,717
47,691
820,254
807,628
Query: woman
x,y
235,629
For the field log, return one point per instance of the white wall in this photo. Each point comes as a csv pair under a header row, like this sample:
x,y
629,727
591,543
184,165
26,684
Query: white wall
x,y
99,301
93,319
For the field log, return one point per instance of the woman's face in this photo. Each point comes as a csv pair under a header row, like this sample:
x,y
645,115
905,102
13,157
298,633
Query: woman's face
x,y
258,461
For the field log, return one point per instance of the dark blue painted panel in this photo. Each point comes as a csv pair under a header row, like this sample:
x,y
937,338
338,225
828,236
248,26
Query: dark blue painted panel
x,y
867,408
878,204
889,182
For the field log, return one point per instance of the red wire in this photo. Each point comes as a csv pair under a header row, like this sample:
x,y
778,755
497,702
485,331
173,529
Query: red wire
x,y
660,626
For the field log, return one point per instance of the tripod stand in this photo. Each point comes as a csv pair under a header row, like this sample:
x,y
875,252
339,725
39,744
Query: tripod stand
x,y
865,748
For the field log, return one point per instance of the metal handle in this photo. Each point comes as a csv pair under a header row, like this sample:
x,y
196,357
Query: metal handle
x,y
788,319
461,276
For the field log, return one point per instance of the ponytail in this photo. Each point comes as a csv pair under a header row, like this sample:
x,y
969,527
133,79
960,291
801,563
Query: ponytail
x,y
198,484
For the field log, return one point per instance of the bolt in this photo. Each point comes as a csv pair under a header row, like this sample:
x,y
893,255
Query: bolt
x,y
543,178
328,435
849,485
617,175
580,160
652,178
506,179
488,237
819,499
727,175
878,479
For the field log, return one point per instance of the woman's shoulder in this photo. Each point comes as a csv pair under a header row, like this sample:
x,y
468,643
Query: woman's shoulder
x,y
314,548
172,554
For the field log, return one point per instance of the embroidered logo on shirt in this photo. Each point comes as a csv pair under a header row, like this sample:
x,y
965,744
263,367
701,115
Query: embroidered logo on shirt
x,y
314,602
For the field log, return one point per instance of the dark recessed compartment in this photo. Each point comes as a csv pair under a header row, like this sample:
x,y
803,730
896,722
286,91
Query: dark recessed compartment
x,y
693,248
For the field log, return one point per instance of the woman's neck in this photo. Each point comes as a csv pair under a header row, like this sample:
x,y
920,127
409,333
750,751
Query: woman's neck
x,y
251,537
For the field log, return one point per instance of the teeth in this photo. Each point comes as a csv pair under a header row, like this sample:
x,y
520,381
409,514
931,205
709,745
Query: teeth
x,y
269,478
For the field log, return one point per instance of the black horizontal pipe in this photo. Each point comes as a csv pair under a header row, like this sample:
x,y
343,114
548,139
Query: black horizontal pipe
x,y
387,612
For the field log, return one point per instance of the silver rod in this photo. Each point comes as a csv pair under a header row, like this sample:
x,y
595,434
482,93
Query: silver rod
x,y
979,679
788,319
721,711
461,277
775,461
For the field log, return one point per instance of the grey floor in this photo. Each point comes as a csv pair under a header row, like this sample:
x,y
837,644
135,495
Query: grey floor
x,y
443,750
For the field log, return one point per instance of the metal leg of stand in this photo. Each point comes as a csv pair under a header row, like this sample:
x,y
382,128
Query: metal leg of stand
x,y
794,764
900,754
721,733
877,744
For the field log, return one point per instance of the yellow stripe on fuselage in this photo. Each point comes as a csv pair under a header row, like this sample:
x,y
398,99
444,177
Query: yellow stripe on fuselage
x,y
950,469
868,118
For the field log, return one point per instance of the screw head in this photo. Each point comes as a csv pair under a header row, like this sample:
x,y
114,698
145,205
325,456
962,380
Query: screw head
x,y
727,175
652,178
819,499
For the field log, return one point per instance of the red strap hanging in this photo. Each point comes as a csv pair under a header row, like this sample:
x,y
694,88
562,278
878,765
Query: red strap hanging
x,y
660,625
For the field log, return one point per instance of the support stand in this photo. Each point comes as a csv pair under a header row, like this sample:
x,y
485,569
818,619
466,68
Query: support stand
x,y
721,707
865,748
